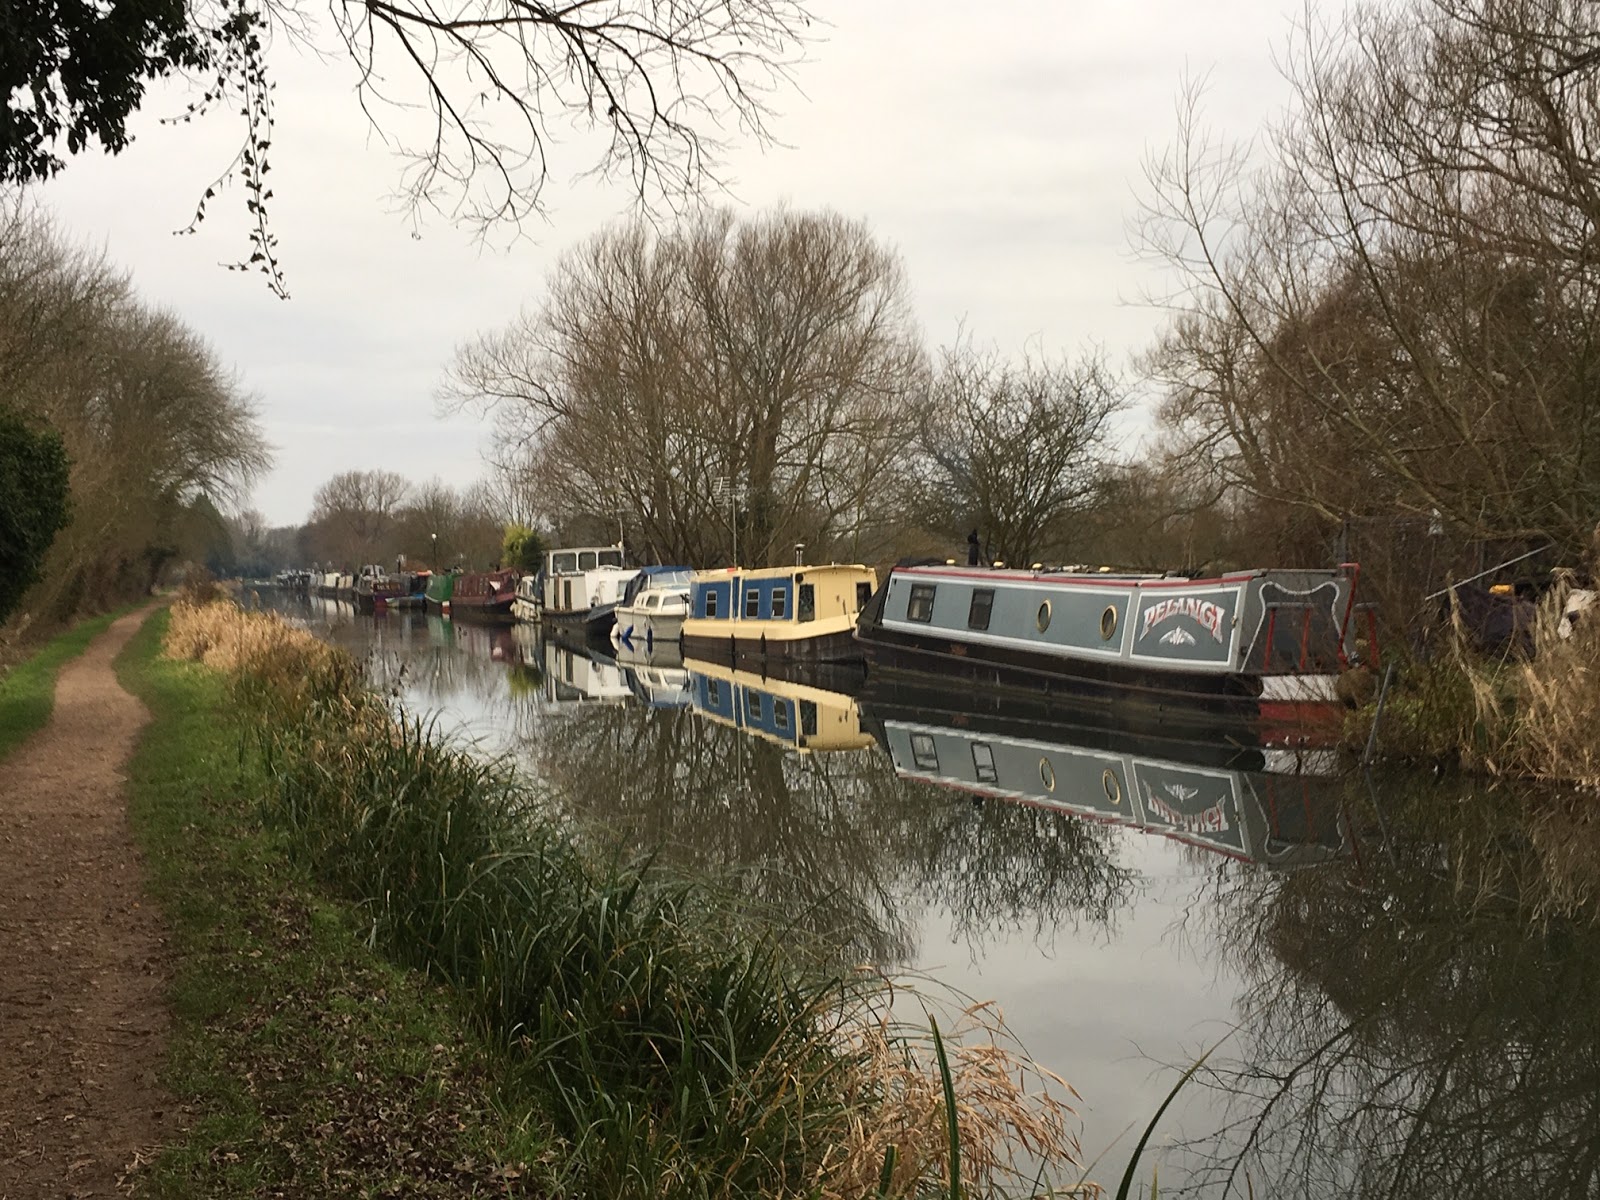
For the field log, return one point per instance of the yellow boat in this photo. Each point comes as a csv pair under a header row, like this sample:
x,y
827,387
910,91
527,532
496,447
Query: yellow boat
x,y
777,614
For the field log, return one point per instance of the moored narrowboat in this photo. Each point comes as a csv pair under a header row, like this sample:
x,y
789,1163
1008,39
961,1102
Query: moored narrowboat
x,y
1264,647
582,586
798,614
441,587
525,607
483,594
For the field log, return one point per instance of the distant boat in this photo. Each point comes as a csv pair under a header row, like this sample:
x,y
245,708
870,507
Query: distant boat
x,y
1262,647
441,587
582,586
526,607
483,594
376,587
798,614
652,607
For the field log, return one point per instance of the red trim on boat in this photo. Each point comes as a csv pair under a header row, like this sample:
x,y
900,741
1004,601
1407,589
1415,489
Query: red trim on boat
x,y
1065,580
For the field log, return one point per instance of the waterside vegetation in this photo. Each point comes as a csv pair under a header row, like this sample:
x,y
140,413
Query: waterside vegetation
x,y
661,1035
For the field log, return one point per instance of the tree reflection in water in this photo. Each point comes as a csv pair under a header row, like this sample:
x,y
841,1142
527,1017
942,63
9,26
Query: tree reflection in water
x,y
832,841
1420,1022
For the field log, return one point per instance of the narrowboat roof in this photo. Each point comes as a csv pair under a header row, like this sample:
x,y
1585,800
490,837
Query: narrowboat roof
x,y
1079,578
714,573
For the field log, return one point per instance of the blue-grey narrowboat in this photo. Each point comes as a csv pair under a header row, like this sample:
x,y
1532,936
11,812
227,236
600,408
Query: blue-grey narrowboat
x,y
1264,647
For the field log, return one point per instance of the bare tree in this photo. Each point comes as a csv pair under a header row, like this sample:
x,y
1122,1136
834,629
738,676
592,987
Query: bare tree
x,y
150,420
723,382
1394,314
1015,450
356,514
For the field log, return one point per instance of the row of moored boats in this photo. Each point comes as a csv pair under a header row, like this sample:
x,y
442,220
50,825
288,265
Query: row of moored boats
x,y
1267,647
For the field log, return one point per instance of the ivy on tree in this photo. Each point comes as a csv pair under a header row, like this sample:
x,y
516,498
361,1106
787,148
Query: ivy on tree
x,y
33,503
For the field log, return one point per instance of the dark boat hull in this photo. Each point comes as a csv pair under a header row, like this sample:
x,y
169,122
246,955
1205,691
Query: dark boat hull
x,y
1198,703
759,653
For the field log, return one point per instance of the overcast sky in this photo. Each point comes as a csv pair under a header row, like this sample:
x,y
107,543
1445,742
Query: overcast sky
x,y
997,148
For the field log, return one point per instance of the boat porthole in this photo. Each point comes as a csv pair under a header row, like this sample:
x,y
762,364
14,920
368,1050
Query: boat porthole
x,y
1042,617
1108,622
1112,786
1047,775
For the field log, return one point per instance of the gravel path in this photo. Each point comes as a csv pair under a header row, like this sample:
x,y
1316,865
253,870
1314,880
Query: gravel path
x,y
82,958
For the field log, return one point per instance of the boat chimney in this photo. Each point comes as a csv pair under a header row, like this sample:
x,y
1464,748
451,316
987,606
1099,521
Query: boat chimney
x,y
799,554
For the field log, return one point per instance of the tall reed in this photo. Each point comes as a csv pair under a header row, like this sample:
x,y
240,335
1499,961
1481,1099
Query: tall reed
x,y
680,1044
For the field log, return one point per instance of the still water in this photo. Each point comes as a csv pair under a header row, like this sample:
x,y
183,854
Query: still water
x,y
1400,999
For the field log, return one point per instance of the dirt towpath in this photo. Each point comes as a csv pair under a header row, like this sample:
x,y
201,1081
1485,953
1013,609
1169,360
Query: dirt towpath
x,y
82,956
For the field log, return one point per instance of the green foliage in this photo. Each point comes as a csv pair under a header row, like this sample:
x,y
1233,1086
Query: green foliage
x,y
308,1065
523,549
83,69
34,503
28,691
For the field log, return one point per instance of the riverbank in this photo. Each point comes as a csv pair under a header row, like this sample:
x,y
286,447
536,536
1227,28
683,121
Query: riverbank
x,y
1531,715
616,1031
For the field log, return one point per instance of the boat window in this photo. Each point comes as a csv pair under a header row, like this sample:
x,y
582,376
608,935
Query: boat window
x,y
752,603
982,606
863,594
983,762
611,558
923,752
1042,617
920,606
711,603
650,600
780,716
806,608
564,563
566,593
808,718
586,560
752,705
713,693
780,604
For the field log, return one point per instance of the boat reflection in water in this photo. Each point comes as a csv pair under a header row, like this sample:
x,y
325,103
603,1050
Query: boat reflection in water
x,y
654,672
1275,807
799,716
574,671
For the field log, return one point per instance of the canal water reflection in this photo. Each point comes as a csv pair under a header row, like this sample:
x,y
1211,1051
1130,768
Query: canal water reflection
x,y
1400,1005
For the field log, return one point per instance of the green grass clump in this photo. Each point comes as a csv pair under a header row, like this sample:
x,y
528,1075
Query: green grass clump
x,y
28,690
673,1042
305,1064
677,1046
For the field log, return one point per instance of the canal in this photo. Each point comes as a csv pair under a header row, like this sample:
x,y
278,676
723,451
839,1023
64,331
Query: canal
x,y
1396,978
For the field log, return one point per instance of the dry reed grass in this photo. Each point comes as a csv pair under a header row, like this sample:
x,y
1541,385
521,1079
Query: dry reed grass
x,y
1010,1111
1552,725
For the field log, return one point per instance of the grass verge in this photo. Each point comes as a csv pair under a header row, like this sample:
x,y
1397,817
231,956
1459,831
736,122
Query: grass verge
x,y
305,1065
675,1042
28,691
